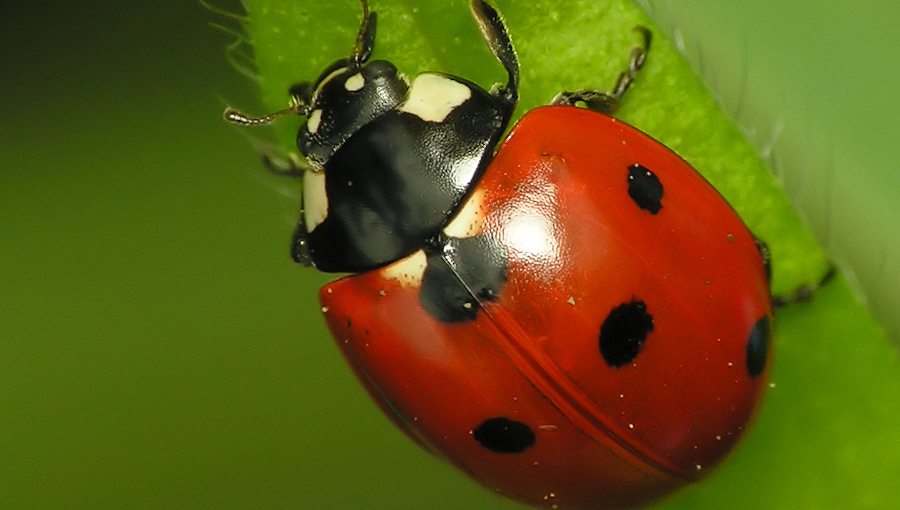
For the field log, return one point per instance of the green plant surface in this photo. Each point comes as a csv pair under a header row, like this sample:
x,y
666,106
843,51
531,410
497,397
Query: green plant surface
x,y
830,413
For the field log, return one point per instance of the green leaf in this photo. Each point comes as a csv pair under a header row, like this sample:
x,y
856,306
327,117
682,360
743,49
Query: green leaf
x,y
826,436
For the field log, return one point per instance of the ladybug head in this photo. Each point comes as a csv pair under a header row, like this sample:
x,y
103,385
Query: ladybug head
x,y
347,95
390,162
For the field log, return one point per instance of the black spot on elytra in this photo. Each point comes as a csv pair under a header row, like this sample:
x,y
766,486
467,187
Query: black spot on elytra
x,y
644,188
502,435
623,333
758,346
462,273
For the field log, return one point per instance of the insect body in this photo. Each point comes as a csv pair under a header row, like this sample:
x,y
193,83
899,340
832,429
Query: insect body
x,y
577,319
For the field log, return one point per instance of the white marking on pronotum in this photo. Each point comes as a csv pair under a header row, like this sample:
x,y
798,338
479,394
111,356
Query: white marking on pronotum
x,y
315,200
355,82
433,96
312,122
469,221
408,272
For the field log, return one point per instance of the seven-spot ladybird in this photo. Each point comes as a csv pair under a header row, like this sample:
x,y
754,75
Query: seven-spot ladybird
x,y
576,320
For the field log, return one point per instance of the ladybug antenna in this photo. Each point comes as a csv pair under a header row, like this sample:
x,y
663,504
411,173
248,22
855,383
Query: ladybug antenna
x,y
297,107
365,39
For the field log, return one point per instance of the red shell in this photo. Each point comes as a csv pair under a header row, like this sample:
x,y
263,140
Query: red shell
x,y
605,437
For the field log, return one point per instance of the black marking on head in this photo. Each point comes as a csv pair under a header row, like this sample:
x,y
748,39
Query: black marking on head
x,y
644,188
623,333
502,435
758,346
461,273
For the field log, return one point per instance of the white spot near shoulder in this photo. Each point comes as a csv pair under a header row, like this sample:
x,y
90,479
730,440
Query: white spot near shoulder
x,y
408,271
315,200
355,82
469,221
312,122
433,96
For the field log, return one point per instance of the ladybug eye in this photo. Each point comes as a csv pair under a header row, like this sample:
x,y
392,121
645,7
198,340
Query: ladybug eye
x,y
624,332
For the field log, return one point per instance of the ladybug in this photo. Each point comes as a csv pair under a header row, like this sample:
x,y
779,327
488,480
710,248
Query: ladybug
x,y
576,319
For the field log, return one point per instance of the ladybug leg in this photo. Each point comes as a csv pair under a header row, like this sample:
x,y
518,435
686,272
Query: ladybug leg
x,y
804,293
594,100
635,63
608,102
766,256
801,294
299,245
497,38
292,166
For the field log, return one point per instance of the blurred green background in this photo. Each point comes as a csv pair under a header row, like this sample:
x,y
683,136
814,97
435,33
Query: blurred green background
x,y
158,349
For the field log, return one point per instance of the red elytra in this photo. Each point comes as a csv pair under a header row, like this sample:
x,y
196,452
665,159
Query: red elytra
x,y
579,246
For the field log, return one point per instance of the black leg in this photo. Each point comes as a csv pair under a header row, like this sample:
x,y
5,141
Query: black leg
x,y
804,293
293,166
497,38
608,102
